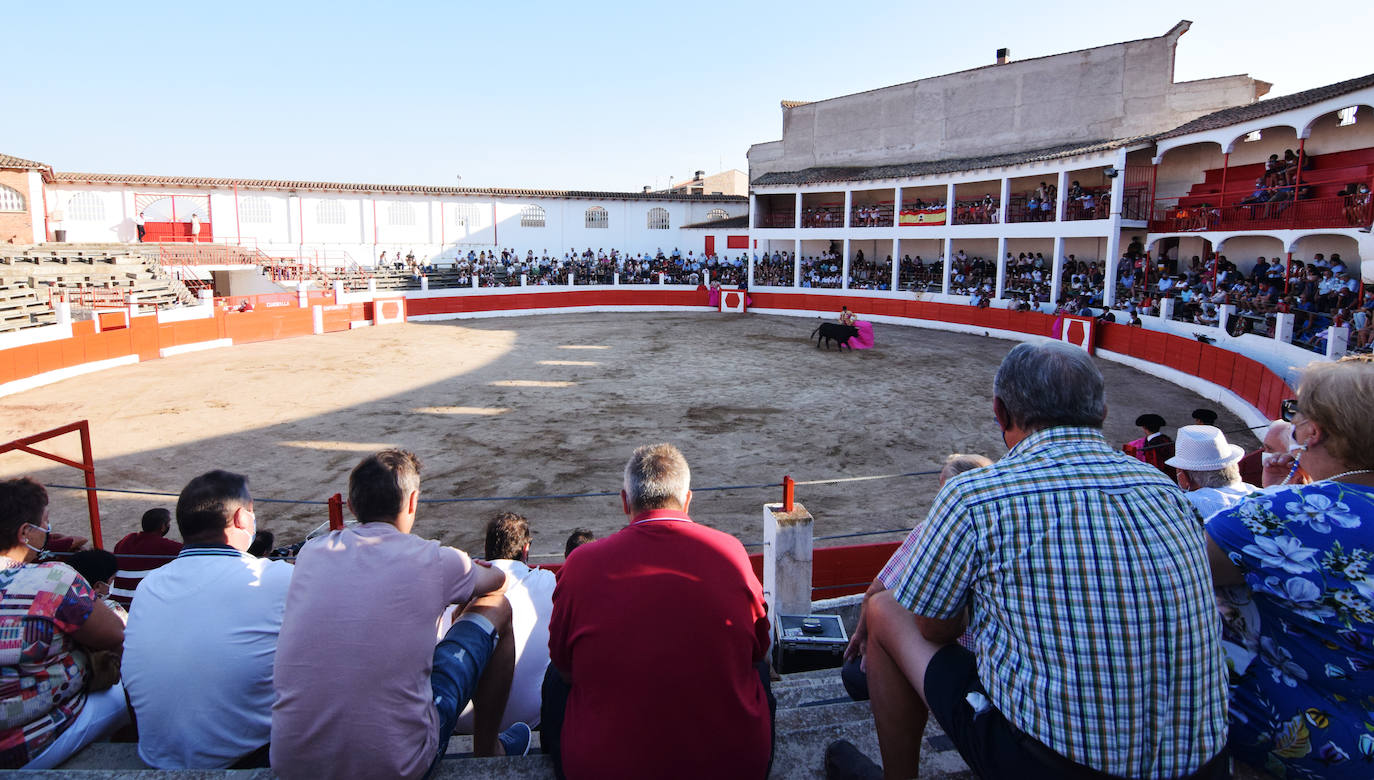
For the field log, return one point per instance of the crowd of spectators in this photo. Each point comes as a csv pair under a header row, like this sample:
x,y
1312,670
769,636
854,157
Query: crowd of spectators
x,y
507,267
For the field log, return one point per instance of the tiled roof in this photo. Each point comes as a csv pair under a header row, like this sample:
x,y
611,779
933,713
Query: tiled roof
x,y
10,161
934,167
795,103
729,223
67,177
1263,108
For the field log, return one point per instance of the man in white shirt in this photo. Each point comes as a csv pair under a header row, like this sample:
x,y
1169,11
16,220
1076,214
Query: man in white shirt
x,y
1208,469
202,637
530,593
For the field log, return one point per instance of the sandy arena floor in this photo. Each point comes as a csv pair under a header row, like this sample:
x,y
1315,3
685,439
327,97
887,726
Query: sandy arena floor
x,y
551,404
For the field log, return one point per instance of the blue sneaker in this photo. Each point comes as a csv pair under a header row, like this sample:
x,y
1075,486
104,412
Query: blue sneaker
x,y
516,739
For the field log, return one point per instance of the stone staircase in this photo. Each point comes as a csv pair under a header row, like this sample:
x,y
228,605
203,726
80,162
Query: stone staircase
x,y
813,711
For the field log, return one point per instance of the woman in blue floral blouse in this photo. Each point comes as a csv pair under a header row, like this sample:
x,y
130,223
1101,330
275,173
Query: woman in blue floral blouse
x,y
1295,563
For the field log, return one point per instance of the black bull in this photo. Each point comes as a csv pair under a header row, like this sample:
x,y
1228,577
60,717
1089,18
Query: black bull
x,y
834,331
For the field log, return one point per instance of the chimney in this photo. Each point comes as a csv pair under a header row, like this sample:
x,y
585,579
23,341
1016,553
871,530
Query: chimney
x,y
1003,56
698,174
647,188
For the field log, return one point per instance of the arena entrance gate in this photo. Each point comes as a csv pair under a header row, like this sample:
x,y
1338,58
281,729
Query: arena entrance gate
x,y
168,217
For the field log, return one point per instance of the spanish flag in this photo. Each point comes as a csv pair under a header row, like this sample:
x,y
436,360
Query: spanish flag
x,y
922,217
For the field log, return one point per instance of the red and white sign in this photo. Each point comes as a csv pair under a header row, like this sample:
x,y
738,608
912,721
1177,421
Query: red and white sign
x,y
388,311
732,300
1078,331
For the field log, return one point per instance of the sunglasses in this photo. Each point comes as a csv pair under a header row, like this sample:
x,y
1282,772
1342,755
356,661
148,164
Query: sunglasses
x,y
1288,409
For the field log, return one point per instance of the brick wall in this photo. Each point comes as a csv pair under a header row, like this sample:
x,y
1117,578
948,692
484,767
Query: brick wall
x,y
17,227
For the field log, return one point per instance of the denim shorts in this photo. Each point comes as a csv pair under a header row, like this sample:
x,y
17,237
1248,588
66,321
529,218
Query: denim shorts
x,y
459,659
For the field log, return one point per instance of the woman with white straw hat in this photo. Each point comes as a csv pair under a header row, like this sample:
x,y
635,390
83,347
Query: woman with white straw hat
x,y
1303,677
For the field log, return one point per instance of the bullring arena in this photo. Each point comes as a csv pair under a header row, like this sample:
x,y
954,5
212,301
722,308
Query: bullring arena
x,y
552,404
1203,242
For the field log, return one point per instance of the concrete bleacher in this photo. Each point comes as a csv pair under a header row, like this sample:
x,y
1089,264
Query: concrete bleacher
x,y
813,711
107,273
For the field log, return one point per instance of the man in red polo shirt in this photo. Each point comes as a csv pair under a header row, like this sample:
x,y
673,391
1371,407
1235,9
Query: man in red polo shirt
x,y
141,552
657,635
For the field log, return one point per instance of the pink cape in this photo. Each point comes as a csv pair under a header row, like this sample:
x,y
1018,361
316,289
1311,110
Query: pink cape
x,y
865,338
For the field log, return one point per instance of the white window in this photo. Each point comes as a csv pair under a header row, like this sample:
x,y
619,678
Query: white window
x,y
330,212
255,211
400,214
85,207
715,215
597,217
658,218
10,200
532,216
1347,116
468,215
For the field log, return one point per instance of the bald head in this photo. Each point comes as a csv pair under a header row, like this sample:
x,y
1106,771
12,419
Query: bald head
x,y
1278,437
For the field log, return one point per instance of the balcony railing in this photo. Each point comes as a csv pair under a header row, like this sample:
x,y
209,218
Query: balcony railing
x,y
1172,217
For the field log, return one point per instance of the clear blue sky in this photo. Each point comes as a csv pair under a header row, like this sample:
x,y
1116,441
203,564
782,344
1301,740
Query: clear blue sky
x,y
585,95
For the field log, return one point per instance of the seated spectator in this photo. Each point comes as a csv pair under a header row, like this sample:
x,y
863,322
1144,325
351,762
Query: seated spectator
x,y
387,705
203,636
1207,469
853,674
658,644
98,568
1037,697
1154,448
141,552
530,594
51,620
576,539
1301,655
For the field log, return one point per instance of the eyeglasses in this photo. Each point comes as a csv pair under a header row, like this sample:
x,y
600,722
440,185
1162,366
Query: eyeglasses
x,y
1288,409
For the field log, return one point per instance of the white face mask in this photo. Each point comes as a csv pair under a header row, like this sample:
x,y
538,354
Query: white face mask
x,y
47,534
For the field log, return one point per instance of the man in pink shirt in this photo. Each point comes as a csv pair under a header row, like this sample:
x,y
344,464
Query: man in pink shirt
x,y
361,688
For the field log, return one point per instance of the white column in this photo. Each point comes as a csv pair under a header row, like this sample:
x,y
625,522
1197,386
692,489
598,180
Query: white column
x,y
1057,276
317,319
796,211
787,556
1225,313
844,264
1110,265
1283,327
949,204
896,263
1002,201
1001,267
947,265
848,205
424,282
1060,186
796,265
1166,308
897,210
1337,340
753,211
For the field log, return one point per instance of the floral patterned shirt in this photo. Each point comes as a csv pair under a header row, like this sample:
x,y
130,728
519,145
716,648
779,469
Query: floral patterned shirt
x,y
1302,635
42,671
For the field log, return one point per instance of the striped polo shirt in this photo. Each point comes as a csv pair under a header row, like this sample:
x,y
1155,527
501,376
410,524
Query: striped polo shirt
x,y
1091,599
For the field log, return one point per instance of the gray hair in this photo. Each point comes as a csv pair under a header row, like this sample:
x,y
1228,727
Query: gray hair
x,y
656,476
959,462
1050,384
1219,478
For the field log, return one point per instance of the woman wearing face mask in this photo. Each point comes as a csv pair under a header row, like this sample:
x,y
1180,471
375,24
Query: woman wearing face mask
x,y
49,620
1302,653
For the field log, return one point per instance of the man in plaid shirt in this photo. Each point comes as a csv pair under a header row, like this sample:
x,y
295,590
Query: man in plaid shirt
x,y
1082,572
